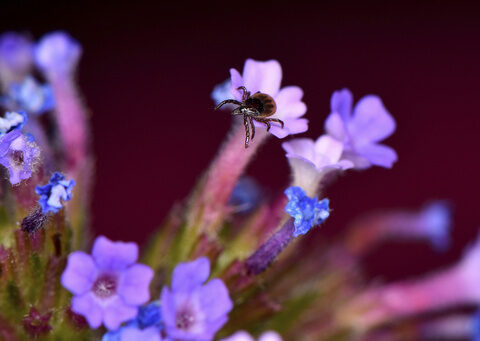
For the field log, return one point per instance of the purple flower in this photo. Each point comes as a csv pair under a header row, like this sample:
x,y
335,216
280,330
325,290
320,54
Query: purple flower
x,y
192,310
306,211
311,160
108,286
52,193
361,131
266,77
18,155
132,333
16,52
57,54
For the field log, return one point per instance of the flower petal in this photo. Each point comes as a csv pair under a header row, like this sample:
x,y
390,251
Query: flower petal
x,y
270,336
239,336
302,147
87,306
110,255
329,148
169,310
379,155
341,103
134,287
371,122
214,299
188,276
335,126
262,76
80,273
289,103
117,312
236,82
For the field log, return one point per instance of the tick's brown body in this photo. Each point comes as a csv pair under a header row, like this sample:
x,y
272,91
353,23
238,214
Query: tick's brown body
x,y
257,107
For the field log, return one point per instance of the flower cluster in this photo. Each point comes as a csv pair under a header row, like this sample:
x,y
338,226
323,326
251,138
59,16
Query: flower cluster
x,y
234,264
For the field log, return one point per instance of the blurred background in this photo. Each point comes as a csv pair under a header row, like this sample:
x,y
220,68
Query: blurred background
x,y
148,70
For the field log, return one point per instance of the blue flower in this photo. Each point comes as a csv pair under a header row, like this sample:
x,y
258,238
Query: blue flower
x,y
192,309
308,212
50,194
31,96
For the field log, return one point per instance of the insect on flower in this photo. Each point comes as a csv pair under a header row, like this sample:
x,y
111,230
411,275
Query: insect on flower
x,y
257,107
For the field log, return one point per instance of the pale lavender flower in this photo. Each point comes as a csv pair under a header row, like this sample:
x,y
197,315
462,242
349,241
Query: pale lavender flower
x,y
57,54
266,77
18,155
362,130
310,160
109,285
244,336
136,334
192,310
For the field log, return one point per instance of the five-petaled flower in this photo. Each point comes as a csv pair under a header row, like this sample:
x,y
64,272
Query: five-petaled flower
x,y
361,130
18,155
311,160
306,211
192,310
52,193
109,285
266,77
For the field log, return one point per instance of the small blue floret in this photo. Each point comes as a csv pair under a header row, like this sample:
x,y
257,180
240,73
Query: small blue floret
x,y
57,189
306,211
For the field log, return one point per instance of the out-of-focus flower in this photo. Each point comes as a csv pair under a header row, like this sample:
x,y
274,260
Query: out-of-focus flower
x,y
221,92
108,286
246,196
192,310
306,211
362,130
133,333
244,336
30,96
18,155
52,194
36,324
16,53
57,54
310,160
12,120
266,77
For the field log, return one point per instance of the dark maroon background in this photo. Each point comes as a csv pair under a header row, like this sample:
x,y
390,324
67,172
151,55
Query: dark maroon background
x,y
148,70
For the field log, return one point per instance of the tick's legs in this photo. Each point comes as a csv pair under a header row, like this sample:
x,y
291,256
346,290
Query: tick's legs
x,y
233,101
245,93
247,131
264,121
277,120
252,125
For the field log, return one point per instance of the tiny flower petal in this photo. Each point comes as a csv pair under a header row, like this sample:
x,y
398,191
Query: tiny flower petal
x,y
379,155
117,312
214,299
262,76
134,288
341,103
135,334
80,273
114,255
188,276
270,336
87,306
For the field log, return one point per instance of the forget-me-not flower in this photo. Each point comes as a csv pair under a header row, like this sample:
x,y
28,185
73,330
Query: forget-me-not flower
x,y
192,309
362,129
266,77
52,194
18,155
108,286
306,211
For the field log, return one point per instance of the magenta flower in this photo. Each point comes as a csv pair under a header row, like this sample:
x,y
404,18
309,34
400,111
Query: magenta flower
x,y
192,310
108,286
266,77
361,131
310,160
18,155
